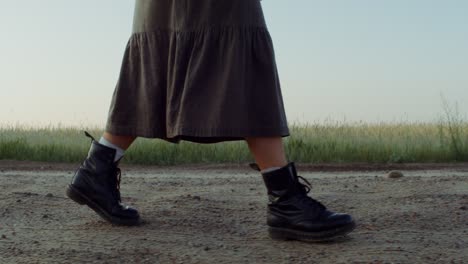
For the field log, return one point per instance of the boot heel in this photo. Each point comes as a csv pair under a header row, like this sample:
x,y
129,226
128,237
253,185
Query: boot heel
x,y
75,196
277,234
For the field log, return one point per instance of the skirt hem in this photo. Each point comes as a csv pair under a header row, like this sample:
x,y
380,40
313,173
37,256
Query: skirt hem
x,y
198,135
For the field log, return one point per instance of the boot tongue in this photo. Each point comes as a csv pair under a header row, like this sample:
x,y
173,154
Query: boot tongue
x,y
114,182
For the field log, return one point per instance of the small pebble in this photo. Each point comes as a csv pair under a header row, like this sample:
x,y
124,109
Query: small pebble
x,y
49,195
395,174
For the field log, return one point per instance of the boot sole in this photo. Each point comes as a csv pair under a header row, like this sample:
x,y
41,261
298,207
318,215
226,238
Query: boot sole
x,y
82,199
329,235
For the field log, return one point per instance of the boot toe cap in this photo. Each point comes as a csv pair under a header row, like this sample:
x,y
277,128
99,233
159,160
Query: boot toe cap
x,y
340,219
124,211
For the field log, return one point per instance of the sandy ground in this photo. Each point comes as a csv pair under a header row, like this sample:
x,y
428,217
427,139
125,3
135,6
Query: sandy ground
x,y
216,214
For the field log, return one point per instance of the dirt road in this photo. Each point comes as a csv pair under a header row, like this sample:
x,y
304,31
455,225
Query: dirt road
x,y
216,214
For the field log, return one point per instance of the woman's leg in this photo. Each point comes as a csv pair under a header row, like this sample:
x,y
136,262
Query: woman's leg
x,y
267,151
122,142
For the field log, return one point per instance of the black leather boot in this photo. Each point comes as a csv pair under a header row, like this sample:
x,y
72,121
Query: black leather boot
x,y
292,214
97,184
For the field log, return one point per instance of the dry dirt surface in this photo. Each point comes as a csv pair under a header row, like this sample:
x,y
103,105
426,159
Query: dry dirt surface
x,y
216,214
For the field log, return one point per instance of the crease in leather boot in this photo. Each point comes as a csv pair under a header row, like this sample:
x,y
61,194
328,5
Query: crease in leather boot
x,y
96,184
292,214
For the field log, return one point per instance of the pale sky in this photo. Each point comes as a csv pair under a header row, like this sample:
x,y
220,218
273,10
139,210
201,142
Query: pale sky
x,y
370,60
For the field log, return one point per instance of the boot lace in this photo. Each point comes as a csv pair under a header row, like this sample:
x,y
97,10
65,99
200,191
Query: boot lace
x,y
115,181
305,187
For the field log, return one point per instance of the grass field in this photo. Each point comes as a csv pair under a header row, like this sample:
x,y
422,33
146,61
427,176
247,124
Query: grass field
x,y
336,142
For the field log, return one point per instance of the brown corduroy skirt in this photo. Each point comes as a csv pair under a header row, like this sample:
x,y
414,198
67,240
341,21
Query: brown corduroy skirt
x,y
202,71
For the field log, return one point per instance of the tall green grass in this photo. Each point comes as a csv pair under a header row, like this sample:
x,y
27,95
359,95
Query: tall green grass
x,y
445,140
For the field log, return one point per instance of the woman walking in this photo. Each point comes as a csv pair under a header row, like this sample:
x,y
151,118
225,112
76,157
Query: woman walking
x,y
203,71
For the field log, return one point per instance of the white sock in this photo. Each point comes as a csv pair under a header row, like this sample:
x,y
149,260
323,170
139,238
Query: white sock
x,y
269,169
119,152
